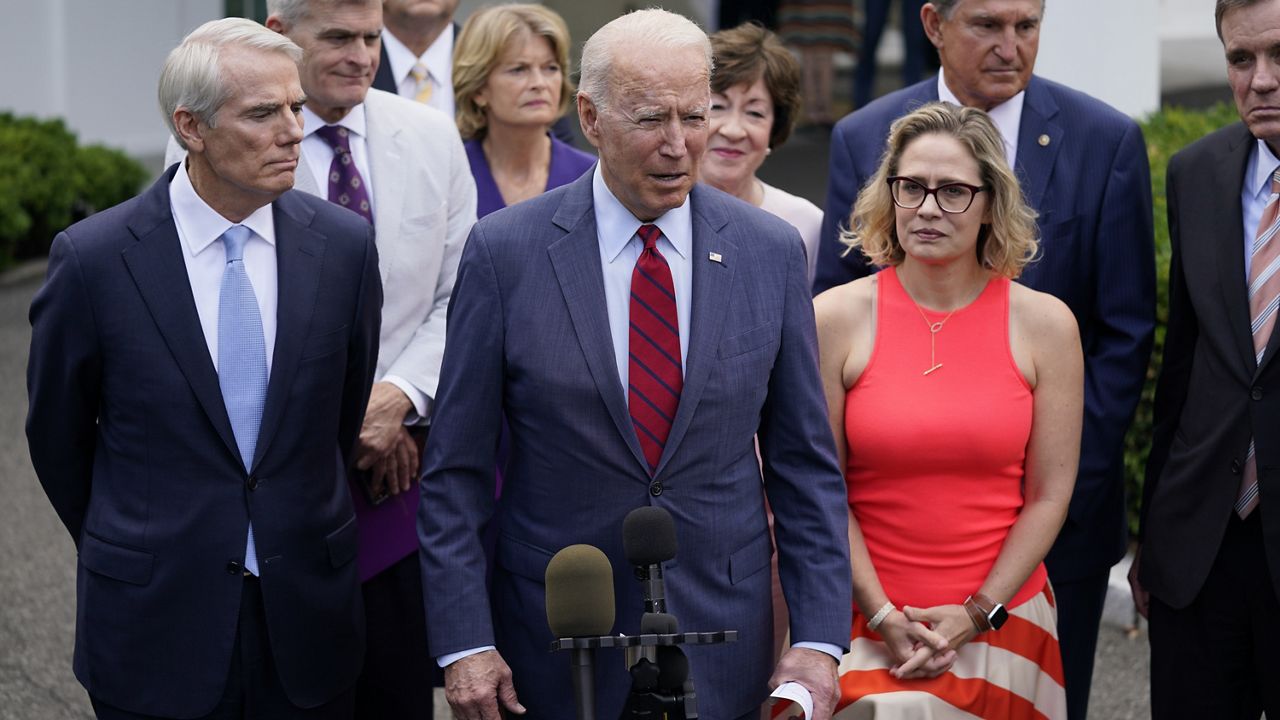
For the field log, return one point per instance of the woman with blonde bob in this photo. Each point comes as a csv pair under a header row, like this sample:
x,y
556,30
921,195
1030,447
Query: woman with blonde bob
x,y
958,395
510,84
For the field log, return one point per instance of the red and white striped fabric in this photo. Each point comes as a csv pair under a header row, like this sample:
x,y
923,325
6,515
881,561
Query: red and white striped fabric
x,y
1010,674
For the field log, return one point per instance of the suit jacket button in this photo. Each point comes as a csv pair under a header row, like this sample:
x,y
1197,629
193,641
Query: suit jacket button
x,y
1256,394
233,568
655,489
253,482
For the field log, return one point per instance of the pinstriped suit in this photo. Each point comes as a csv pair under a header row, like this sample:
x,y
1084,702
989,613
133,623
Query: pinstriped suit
x,y
529,340
1083,167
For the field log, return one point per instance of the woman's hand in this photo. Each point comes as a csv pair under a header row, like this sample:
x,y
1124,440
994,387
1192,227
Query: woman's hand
x,y
918,652
951,622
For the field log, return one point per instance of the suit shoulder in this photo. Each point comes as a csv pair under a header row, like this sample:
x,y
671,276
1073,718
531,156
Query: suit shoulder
x,y
337,224
1080,106
762,230
1211,148
414,116
880,113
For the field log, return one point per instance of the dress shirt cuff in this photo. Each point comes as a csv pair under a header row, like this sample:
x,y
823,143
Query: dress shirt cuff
x,y
451,658
833,650
421,412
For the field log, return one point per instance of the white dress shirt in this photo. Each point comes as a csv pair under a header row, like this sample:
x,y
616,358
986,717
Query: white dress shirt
x,y
620,247
1007,117
199,229
438,59
1254,194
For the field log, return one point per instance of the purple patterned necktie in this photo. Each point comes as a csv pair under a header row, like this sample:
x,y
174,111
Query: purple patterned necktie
x,y
346,187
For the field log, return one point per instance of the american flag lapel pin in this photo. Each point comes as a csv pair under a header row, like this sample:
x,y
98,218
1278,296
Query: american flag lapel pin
x,y
716,257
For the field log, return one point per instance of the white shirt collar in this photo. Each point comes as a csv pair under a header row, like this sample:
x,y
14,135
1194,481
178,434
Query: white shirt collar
x,y
353,121
1007,116
438,58
201,225
615,225
1262,164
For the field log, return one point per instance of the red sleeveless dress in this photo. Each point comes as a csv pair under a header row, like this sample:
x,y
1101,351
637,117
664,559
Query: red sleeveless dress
x,y
935,472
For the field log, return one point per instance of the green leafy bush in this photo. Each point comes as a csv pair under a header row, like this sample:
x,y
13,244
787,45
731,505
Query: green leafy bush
x,y
1166,132
47,182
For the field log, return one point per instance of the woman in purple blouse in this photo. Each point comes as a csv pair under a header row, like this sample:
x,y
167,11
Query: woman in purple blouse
x,y
511,83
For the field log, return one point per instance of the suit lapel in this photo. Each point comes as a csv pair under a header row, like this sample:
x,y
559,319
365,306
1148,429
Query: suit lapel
x,y
1039,139
387,166
299,259
708,310
158,269
575,258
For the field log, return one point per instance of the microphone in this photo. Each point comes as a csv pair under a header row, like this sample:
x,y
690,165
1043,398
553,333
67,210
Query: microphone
x,y
579,582
648,540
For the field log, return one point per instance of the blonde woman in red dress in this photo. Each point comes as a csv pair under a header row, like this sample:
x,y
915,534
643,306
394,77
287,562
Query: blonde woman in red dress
x,y
959,395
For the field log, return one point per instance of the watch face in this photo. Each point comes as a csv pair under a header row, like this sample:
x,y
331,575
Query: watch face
x,y
997,616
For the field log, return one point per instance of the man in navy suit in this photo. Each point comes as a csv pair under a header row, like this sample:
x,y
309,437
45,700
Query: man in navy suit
x,y
637,332
1083,167
201,356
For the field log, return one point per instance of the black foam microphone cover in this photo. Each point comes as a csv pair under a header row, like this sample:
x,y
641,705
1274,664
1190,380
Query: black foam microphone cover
x,y
580,593
648,536
657,624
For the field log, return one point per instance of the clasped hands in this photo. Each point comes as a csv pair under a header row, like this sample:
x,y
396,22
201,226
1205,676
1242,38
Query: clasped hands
x,y
923,641
385,448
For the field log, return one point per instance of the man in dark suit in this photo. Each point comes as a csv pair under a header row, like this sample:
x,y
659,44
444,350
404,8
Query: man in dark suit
x,y
637,332
1210,554
201,356
1083,167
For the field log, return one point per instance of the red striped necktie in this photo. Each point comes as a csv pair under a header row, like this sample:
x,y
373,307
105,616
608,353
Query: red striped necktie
x,y
654,375
1264,297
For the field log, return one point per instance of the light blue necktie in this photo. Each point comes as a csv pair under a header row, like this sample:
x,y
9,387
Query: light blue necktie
x,y
242,358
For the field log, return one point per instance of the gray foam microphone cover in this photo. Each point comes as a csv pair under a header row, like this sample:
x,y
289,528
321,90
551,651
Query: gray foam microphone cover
x,y
579,583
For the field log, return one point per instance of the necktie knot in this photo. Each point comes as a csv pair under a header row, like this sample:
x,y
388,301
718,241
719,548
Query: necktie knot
x,y
338,138
418,72
649,234
234,239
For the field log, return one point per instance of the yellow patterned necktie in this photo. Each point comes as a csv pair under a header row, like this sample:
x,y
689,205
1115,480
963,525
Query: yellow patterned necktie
x,y
423,79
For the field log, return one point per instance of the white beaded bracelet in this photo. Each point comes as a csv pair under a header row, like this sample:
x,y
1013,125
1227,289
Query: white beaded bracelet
x,y
880,615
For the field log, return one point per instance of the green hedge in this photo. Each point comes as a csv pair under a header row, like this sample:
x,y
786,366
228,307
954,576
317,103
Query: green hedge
x,y
1166,132
48,181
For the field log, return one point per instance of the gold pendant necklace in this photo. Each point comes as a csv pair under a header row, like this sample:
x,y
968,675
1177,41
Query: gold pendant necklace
x,y
934,329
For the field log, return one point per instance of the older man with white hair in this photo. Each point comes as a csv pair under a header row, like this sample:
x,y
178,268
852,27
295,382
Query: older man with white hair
x,y
201,356
637,331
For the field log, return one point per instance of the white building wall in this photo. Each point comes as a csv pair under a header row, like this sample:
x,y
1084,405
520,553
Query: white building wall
x,y
1109,49
95,63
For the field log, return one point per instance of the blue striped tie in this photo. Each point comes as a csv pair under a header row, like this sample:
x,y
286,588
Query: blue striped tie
x,y
242,358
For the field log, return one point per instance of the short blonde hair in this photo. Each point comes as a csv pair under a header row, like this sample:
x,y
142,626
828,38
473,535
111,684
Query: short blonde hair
x,y
484,38
1005,245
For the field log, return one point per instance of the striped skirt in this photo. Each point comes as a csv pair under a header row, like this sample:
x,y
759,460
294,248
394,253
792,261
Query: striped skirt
x,y
1010,674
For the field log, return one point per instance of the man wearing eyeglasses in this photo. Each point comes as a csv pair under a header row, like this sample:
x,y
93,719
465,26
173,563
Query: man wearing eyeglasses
x,y
1083,167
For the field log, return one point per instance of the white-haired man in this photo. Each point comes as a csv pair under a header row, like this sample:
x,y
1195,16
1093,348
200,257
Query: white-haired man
x,y
637,331
201,356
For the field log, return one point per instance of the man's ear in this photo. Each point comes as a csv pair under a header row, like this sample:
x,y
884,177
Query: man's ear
x,y
189,129
589,119
931,19
275,24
